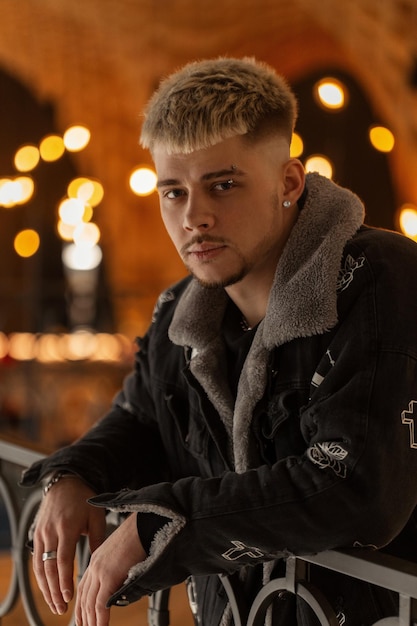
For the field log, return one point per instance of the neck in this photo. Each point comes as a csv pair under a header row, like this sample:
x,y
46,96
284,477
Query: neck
x,y
251,297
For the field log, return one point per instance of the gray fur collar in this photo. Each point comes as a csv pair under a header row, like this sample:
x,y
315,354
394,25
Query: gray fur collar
x,y
302,303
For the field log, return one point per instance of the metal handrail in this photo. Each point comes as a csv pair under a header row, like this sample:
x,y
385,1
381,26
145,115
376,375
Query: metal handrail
x,y
370,566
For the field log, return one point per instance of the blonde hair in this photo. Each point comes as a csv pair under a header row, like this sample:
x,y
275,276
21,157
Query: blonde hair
x,y
209,101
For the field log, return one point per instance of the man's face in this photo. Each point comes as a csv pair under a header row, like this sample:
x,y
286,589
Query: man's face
x,y
222,207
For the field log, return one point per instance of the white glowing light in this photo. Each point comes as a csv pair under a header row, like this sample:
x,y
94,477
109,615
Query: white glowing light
x,y
143,181
81,257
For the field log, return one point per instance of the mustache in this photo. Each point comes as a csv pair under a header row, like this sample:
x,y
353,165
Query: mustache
x,y
199,239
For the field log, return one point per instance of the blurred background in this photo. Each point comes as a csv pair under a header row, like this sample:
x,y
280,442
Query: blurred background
x,y
83,252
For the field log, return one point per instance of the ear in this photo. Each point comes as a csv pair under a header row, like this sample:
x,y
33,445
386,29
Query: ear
x,y
294,180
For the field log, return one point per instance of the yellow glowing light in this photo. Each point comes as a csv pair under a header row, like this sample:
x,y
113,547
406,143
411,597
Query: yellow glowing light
x,y
320,164
9,193
331,93
71,211
108,348
86,234
142,181
76,138
381,138
79,345
86,189
65,231
75,184
26,243
408,220
51,148
97,192
88,213
15,191
47,348
26,158
22,346
297,146
26,188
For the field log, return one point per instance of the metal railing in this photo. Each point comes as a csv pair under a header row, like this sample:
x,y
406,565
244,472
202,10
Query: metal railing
x,y
373,567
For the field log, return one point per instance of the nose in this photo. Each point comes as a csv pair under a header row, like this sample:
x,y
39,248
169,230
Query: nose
x,y
197,215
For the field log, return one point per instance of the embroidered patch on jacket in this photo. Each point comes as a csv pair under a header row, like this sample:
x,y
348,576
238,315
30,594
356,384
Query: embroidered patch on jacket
x,y
329,454
325,367
166,296
408,417
241,550
347,271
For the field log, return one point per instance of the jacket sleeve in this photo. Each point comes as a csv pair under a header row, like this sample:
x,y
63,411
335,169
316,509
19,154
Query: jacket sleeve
x,y
352,486
123,450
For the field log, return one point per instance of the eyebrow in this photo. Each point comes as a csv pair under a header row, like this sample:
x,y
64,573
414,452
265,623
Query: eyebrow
x,y
232,171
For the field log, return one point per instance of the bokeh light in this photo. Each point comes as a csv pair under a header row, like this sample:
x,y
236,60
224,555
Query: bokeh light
x,y
26,242
331,93
319,163
76,138
381,138
142,181
297,146
51,148
26,158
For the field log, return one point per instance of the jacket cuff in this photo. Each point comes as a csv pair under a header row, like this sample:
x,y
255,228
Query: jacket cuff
x,y
148,524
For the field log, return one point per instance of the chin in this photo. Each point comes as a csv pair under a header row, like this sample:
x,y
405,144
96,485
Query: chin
x,y
220,282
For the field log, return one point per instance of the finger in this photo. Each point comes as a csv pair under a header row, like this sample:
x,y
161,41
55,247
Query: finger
x,y
80,618
90,602
40,575
52,577
65,564
102,612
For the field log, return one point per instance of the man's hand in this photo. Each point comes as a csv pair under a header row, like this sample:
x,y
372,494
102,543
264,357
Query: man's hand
x,y
106,572
64,515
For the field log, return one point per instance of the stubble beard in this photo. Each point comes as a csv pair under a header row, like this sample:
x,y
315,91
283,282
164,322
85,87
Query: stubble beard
x,y
223,283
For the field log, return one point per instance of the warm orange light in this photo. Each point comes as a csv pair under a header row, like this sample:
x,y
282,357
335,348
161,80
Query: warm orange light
x,y
297,146
26,186
407,218
51,148
26,243
71,211
26,158
142,181
320,164
381,138
331,93
76,138
86,189
86,234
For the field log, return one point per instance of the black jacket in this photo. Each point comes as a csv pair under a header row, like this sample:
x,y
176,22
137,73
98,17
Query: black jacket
x,y
319,449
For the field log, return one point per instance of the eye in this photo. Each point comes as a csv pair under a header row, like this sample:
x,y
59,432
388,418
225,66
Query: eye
x,y
172,194
224,185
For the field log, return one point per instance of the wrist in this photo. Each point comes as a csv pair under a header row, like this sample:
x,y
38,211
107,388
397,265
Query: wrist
x,y
54,478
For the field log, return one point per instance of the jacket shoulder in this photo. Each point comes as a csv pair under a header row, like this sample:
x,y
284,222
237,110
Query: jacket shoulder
x,y
384,245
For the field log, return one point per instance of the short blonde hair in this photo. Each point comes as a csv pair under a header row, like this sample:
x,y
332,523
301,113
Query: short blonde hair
x,y
209,101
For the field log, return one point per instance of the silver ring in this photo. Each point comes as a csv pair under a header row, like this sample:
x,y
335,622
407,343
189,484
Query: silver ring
x,y
46,556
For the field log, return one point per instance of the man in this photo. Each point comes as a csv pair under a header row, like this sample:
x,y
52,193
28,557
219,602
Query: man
x,y
271,408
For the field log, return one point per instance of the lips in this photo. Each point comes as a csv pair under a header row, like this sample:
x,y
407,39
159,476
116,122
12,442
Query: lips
x,y
205,251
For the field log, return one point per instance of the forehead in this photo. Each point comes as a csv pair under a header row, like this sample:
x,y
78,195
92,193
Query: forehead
x,y
231,156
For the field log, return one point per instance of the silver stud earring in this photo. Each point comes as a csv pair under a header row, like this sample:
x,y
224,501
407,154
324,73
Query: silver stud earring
x,y
286,203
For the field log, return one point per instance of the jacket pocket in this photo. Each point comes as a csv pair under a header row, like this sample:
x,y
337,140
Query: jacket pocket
x,y
189,426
